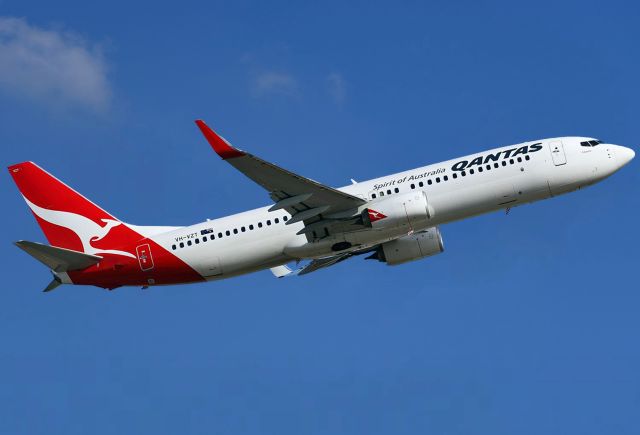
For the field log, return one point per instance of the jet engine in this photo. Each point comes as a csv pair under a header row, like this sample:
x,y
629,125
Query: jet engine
x,y
408,248
410,210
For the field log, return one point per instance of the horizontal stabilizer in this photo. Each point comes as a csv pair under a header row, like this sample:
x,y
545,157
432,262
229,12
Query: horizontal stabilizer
x,y
54,284
58,259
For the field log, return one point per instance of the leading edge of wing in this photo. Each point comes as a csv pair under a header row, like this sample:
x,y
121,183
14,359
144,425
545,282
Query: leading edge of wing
x,y
218,143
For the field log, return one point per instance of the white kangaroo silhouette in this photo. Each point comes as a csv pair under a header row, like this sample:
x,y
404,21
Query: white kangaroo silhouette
x,y
87,230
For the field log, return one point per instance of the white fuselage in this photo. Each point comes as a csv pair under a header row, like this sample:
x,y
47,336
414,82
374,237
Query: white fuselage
x,y
259,239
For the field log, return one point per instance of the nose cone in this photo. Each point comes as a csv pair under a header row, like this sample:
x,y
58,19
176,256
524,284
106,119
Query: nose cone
x,y
624,155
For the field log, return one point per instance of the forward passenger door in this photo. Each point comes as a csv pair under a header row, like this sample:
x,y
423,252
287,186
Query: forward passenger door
x,y
557,152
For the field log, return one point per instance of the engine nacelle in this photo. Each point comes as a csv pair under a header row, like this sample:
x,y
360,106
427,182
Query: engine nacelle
x,y
409,210
408,248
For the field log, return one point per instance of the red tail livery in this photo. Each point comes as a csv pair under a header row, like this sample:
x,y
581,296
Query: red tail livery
x,y
71,221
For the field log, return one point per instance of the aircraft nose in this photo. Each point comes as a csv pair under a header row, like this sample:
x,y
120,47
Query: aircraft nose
x,y
624,155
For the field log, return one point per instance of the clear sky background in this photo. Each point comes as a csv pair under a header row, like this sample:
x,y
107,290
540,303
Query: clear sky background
x,y
527,324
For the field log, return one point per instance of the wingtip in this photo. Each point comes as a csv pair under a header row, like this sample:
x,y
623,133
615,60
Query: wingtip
x,y
219,145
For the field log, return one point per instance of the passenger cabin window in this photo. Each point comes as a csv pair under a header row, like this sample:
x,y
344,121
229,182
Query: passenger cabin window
x,y
396,190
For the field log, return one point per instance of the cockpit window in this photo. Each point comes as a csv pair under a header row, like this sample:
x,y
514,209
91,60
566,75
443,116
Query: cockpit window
x,y
590,143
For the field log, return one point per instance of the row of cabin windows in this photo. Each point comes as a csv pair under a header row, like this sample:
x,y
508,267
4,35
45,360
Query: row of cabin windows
x,y
430,181
212,236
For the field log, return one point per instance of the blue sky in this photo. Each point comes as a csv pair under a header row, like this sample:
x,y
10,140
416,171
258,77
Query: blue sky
x,y
527,324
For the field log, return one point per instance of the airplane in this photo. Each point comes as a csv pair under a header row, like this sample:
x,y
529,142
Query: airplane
x,y
394,219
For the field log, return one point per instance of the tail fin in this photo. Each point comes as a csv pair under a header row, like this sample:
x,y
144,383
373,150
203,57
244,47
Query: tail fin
x,y
68,219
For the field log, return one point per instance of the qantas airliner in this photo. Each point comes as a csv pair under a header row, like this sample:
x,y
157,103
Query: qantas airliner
x,y
394,219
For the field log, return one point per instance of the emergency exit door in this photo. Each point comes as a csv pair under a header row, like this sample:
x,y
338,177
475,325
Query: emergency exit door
x,y
557,152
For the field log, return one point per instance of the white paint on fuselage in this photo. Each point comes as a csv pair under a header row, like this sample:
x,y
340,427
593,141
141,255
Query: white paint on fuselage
x,y
455,199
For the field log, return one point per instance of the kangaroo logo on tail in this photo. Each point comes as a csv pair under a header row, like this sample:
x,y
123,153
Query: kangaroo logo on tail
x,y
87,230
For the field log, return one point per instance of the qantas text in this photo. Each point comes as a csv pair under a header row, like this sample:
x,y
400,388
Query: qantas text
x,y
494,157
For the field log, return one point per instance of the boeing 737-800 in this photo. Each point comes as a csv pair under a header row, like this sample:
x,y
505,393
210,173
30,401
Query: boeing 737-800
x,y
394,219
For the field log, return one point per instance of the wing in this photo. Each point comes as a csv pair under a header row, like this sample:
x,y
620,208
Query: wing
x,y
319,263
303,198
312,266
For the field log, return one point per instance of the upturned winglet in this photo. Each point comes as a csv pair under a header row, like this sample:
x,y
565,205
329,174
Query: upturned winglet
x,y
218,143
